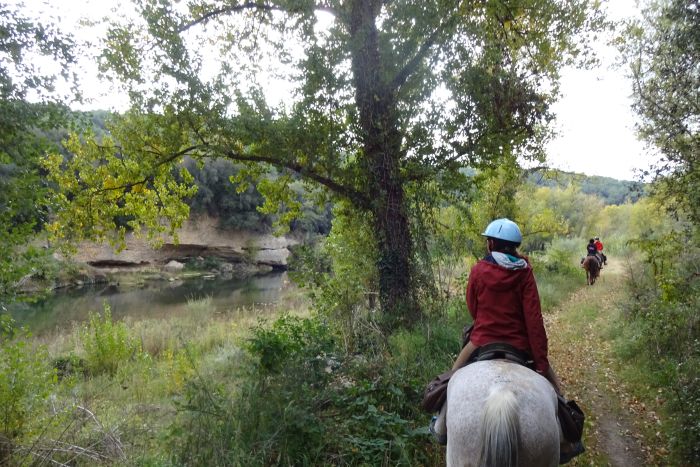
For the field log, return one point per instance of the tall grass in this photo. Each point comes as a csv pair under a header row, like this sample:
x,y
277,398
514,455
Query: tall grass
x,y
558,271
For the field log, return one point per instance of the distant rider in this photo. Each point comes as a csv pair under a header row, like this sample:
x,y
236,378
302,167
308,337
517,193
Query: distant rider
x,y
591,249
599,250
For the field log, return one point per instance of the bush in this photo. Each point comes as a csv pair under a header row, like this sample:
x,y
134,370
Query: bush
x,y
299,400
289,339
26,379
661,334
561,256
107,344
557,271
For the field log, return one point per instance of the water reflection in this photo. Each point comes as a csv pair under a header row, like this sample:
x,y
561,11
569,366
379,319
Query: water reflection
x,y
155,299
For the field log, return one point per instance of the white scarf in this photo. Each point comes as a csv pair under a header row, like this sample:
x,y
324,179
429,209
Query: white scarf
x,y
508,261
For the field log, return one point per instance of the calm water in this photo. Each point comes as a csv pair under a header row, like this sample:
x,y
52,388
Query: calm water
x,y
155,299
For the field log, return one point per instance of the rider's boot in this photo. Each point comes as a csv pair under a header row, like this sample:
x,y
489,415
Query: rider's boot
x,y
438,426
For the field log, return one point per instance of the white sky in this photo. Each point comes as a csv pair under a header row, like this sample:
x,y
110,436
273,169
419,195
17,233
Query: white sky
x,y
595,123
594,118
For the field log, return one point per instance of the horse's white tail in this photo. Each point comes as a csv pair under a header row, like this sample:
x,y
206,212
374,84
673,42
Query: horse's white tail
x,y
499,431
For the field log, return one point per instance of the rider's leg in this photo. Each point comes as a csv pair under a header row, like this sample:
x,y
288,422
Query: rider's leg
x,y
464,355
552,377
438,425
567,450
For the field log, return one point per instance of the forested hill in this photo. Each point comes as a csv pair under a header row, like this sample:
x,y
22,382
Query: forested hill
x,y
610,190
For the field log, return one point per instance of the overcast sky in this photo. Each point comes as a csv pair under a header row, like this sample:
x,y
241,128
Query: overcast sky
x,y
594,118
594,122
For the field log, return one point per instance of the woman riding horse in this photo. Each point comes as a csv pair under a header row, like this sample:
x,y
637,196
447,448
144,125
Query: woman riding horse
x,y
504,303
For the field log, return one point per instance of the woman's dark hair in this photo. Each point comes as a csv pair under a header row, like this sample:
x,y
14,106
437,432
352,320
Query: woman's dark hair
x,y
504,246
591,241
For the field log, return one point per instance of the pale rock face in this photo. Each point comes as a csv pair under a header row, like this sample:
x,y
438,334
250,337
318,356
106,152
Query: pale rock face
x,y
198,238
174,266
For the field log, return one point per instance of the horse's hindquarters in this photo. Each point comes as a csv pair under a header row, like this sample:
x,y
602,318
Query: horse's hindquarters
x,y
481,385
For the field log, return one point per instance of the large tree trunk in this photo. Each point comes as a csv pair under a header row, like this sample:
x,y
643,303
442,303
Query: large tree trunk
x,y
382,155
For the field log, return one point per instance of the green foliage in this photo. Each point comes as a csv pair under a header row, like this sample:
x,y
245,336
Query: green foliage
x,y
303,398
611,191
661,331
557,270
98,186
26,379
539,221
107,344
217,196
446,244
561,256
580,211
239,204
628,221
319,406
289,338
28,49
272,417
341,273
663,52
496,198
363,125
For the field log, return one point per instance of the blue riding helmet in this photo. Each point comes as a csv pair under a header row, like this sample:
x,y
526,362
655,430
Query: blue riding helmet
x,y
504,229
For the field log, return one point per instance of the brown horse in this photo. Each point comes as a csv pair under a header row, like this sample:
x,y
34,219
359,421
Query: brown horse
x,y
592,267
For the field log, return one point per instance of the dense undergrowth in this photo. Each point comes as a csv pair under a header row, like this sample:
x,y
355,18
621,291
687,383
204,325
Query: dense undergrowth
x,y
659,336
212,389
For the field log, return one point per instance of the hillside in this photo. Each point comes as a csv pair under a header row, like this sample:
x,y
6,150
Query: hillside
x,y
610,190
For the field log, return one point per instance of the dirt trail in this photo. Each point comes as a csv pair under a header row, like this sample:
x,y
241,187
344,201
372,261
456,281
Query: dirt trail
x,y
580,353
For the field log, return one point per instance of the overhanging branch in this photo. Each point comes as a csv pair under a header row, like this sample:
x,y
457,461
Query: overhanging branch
x,y
171,158
245,6
357,197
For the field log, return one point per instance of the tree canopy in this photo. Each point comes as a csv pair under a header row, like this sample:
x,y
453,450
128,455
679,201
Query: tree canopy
x,y
387,96
663,51
29,107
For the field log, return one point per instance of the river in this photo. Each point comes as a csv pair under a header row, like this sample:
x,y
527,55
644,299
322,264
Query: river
x,y
156,300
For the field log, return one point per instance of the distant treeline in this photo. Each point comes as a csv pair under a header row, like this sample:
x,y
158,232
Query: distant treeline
x,y
610,190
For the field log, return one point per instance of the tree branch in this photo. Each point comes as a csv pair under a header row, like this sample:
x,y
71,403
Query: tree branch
x,y
410,67
148,177
246,6
227,10
360,199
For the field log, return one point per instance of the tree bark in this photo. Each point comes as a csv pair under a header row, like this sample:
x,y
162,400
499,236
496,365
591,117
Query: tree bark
x,y
382,156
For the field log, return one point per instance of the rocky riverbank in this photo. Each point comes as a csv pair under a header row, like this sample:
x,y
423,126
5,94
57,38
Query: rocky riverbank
x,y
203,249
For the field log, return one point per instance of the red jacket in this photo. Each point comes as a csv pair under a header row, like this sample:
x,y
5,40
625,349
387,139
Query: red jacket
x,y
505,306
598,245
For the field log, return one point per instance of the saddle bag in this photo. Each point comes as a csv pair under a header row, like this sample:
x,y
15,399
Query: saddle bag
x,y
571,419
435,393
